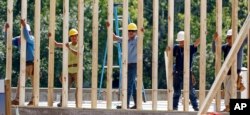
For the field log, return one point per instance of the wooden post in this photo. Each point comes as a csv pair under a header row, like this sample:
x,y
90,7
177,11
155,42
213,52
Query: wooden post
x,y
95,53
170,53
36,79
65,53
186,54
155,54
203,51
218,49
140,31
225,67
234,35
51,52
7,85
248,61
124,54
110,54
22,77
9,40
80,53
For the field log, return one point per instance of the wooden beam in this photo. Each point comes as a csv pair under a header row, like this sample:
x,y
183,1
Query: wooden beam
x,y
22,74
110,54
80,53
155,54
7,86
140,33
186,55
225,67
9,40
36,79
65,53
248,55
203,51
234,35
52,23
218,49
94,53
124,54
169,66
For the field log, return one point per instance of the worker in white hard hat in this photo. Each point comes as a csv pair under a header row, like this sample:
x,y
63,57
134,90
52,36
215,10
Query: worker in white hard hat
x,y
16,41
132,63
227,83
178,52
72,60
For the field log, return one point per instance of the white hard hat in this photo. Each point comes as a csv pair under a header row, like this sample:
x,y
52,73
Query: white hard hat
x,y
180,36
28,27
229,32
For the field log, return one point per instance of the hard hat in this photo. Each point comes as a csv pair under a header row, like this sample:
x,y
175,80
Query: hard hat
x,y
132,26
229,32
73,32
28,27
180,36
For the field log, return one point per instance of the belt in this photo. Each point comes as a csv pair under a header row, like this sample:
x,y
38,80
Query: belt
x,y
72,65
131,63
29,62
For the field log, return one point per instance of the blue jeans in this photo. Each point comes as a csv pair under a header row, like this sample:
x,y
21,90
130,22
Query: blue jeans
x,y
132,68
178,85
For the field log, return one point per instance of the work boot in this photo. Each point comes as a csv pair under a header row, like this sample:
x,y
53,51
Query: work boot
x,y
227,109
196,109
120,107
14,102
134,107
30,103
59,104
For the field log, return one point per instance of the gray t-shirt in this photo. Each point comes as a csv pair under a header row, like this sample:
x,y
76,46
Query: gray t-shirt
x,y
132,49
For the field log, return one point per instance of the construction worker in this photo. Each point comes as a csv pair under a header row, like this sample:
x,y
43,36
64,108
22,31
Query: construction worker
x,y
72,59
16,41
178,53
227,82
132,62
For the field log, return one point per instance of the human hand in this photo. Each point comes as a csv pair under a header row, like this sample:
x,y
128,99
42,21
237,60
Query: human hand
x,y
216,36
197,42
23,22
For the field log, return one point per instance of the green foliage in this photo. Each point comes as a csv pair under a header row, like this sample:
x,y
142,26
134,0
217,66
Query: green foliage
x,y
147,48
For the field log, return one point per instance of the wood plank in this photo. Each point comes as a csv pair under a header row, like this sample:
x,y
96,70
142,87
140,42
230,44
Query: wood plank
x,y
226,66
110,54
94,53
36,79
234,35
140,33
9,40
218,49
169,66
155,54
248,55
52,23
80,53
7,86
203,51
186,54
22,74
65,53
124,54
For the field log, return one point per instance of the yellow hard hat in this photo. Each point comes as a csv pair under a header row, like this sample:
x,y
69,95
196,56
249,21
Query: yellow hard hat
x,y
132,26
73,32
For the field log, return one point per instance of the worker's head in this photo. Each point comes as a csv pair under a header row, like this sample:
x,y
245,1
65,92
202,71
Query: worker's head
x,y
73,33
180,38
229,37
132,30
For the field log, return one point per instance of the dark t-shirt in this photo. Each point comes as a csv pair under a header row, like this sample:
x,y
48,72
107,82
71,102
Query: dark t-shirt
x,y
179,57
225,49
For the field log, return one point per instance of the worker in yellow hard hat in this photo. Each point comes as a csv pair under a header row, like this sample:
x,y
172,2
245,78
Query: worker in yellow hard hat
x,y
72,59
132,62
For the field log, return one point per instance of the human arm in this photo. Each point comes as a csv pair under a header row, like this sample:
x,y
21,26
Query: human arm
x,y
75,52
26,32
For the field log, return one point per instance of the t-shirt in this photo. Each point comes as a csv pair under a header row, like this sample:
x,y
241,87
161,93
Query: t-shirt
x,y
179,57
132,49
72,58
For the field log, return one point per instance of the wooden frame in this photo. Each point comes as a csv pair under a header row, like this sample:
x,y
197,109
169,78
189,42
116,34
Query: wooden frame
x,y
170,54
65,53
186,54
248,55
22,77
7,88
124,54
218,49
94,53
155,54
51,52
36,78
140,31
80,53
9,40
110,54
